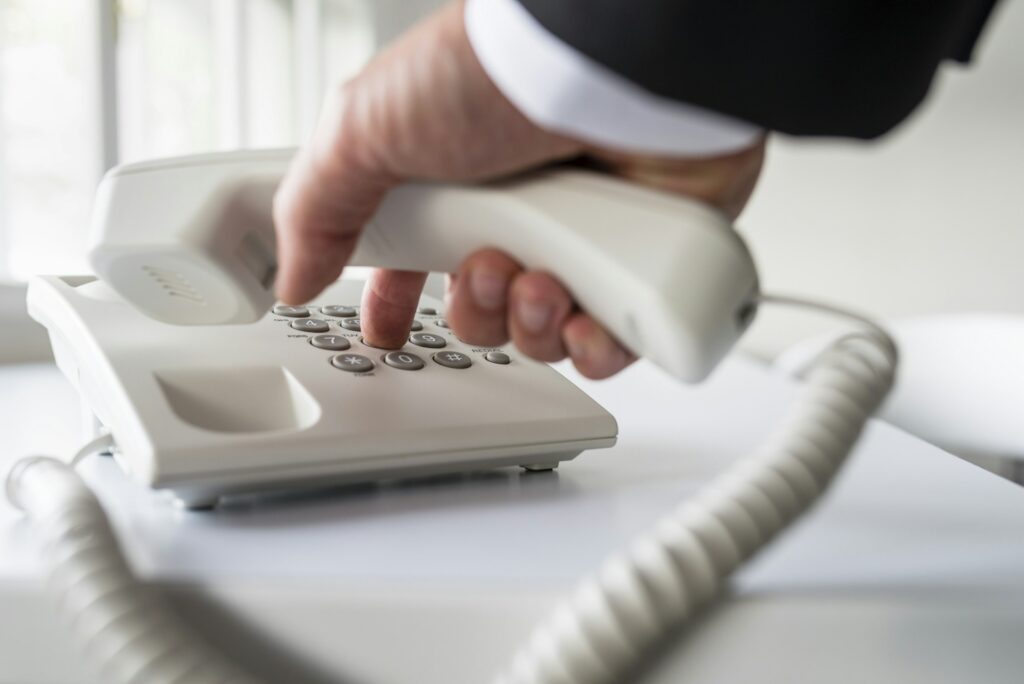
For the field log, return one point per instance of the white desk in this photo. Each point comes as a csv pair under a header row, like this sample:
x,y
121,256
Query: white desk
x,y
911,571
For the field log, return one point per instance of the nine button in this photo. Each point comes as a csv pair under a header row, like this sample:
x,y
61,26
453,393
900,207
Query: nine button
x,y
427,340
311,325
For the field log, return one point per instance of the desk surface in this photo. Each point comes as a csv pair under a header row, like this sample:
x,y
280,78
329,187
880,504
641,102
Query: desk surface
x,y
911,570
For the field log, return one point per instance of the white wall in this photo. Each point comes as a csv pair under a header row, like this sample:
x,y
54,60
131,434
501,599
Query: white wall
x,y
930,219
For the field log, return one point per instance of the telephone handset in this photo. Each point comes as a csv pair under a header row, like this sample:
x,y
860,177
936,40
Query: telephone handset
x,y
189,241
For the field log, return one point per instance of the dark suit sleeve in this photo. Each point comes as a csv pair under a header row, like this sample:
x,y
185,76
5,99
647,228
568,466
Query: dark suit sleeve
x,y
805,67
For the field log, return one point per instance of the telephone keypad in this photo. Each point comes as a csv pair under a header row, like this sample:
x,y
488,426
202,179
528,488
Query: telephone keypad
x,y
346,319
427,340
353,363
330,342
311,325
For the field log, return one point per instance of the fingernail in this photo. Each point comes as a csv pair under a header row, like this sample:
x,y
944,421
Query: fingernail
x,y
488,289
534,316
577,349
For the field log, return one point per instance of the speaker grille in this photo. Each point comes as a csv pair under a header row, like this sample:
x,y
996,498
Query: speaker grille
x,y
174,284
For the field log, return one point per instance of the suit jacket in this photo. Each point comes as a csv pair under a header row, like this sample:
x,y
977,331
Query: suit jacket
x,y
805,67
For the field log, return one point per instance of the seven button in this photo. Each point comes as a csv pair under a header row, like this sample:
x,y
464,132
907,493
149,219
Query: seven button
x,y
331,342
353,363
311,325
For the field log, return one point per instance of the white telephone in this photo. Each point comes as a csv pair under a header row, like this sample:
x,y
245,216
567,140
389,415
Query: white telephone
x,y
206,408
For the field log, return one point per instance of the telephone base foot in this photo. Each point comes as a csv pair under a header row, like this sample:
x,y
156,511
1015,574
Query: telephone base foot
x,y
538,467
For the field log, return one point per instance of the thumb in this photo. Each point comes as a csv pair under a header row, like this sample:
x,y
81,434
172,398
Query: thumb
x,y
331,190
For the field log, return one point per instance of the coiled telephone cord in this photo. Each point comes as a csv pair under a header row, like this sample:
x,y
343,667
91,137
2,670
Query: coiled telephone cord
x,y
598,635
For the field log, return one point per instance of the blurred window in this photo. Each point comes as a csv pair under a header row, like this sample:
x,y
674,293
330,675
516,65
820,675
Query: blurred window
x,y
85,84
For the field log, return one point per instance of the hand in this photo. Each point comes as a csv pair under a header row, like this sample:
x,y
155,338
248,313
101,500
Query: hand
x,y
425,109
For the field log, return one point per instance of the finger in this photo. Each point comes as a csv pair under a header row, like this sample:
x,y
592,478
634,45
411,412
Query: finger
x,y
594,352
332,188
725,181
389,303
478,308
538,305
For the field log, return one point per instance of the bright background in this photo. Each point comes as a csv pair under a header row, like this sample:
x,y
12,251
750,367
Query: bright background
x,y
927,220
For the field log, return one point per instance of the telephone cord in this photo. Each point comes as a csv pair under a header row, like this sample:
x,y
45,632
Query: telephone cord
x,y
598,635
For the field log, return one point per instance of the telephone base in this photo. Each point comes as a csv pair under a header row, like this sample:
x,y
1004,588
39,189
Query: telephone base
x,y
205,412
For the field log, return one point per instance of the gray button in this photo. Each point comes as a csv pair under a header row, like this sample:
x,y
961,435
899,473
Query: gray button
x,y
452,359
291,311
353,363
416,326
311,325
441,323
497,357
427,311
427,340
403,360
351,324
331,342
338,310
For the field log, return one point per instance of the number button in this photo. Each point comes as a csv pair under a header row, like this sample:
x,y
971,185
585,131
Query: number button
x,y
353,363
351,324
291,311
311,325
338,311
403,360
427,340
497,357
452,359
416,326
441,323
427,311
330,342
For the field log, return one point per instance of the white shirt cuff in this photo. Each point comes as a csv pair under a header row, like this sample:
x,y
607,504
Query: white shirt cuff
x,y
564,91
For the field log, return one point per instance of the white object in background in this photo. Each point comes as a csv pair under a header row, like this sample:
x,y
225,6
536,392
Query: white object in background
x,y
960,384
191,241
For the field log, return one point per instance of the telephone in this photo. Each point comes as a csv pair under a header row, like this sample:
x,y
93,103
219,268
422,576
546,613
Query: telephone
x,y
205,393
